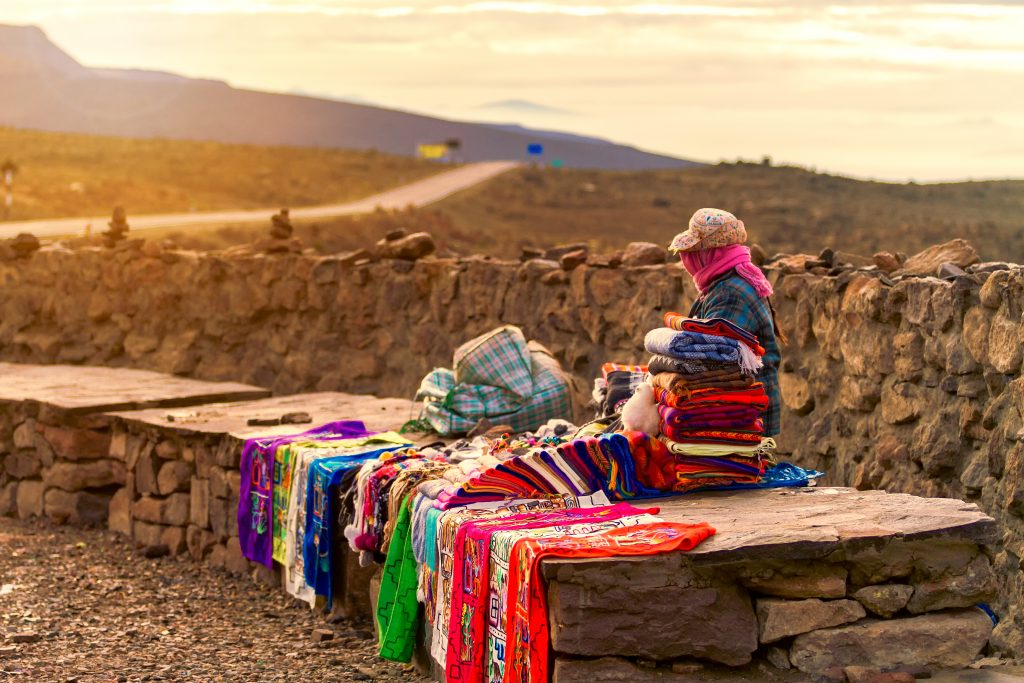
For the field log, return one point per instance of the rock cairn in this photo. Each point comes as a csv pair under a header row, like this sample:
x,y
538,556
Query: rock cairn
x,y
282,238
118,227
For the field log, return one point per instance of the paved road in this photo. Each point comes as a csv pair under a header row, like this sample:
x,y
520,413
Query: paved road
x,y
420,193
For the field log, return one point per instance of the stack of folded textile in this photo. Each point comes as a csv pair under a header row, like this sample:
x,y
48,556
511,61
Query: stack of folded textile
x,y
709,405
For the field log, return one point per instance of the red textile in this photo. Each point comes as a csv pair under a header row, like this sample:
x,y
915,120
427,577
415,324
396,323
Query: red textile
x,y
609,368
526,654
723,436
752,396
655,465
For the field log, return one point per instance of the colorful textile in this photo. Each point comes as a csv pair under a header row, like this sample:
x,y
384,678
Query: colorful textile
x,y
709,228
621,384
684,384
749,450
609,368
255,513
665,341
467,629
710,435
526,654
500,377
733,298
707,264
713,326
397,607
752,396
690,366
318,547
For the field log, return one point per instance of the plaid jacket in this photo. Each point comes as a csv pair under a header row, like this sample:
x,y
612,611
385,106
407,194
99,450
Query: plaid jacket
x,y
733,298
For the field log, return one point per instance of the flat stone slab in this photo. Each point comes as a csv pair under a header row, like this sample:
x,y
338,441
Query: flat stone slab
x,y
223,419
81,389
810,523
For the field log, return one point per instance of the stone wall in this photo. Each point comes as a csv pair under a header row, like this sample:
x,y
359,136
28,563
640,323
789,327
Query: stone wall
x,y
911,385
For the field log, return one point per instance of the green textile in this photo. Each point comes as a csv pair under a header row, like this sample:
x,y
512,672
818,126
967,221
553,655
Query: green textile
x,y
498,376
397,607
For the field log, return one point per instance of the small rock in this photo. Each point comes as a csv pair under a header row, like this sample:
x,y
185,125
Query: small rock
x,y
322,635
605,260
950,271
779,658
886,262
860,674
353,258
891,677
154,551
396,234
885,600
556,253
643,254
827,257
573,259
24,244
409,248
832,674
529,253
687,667
296,418
25,637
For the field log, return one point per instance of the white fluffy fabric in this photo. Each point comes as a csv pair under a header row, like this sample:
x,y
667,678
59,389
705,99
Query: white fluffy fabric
x,y
640,413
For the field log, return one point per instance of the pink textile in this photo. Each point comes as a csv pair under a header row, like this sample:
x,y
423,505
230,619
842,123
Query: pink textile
x,y
707,264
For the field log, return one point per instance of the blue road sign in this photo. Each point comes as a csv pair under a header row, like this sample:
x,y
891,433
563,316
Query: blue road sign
x,y
535,149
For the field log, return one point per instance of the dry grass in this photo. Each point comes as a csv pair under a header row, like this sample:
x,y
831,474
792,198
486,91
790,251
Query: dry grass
x,y
82,175
785,210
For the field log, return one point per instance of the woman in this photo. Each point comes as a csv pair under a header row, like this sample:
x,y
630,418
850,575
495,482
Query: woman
x,y
731,287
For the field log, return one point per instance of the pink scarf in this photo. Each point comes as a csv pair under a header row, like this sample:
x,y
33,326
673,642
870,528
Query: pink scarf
x,y
707,264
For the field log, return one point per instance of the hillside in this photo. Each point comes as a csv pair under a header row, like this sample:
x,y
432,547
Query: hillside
x,y
56,93
785,209
62,174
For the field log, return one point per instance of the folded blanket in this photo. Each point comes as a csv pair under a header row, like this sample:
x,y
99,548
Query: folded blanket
x,y
713,326
684,384
718,412
753,396
620,387
608,368
691,366
747,450
719,436
696,346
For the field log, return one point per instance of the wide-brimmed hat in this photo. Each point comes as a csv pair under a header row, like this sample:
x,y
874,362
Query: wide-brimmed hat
x,y
710,228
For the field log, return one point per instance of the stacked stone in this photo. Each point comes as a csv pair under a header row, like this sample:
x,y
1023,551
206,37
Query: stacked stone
x,y
117,227
56,464
180,495
873,602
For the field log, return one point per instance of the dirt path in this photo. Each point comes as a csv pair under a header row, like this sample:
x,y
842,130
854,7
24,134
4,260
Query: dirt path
x,y
420,193
92,610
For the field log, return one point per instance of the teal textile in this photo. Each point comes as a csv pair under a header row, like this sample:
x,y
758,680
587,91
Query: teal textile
x,y
498,376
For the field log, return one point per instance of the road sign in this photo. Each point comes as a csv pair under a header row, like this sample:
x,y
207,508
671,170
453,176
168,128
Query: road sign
x,y
535,149
432,151
557,163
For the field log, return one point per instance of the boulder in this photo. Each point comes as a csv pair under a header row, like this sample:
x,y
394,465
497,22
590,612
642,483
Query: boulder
x,y
958,252
778,618
644,254
89,474
409,248
902,403
884,600
939,640
796,393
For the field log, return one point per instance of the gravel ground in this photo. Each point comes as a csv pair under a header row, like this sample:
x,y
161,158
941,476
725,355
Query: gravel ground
x,y
83,606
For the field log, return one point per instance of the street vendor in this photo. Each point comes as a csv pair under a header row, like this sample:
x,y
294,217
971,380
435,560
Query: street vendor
x,y
730,286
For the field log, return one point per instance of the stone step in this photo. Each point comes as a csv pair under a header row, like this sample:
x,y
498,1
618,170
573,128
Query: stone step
x,y
55,433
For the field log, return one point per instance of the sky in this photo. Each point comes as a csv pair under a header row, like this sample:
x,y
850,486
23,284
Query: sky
x,y
886,89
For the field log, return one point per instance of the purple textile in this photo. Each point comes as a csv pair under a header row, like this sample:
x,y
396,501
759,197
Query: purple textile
x,y
255,533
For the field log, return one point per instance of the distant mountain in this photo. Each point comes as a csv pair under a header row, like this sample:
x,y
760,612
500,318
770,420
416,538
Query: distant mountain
x,y
526,107
45,88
